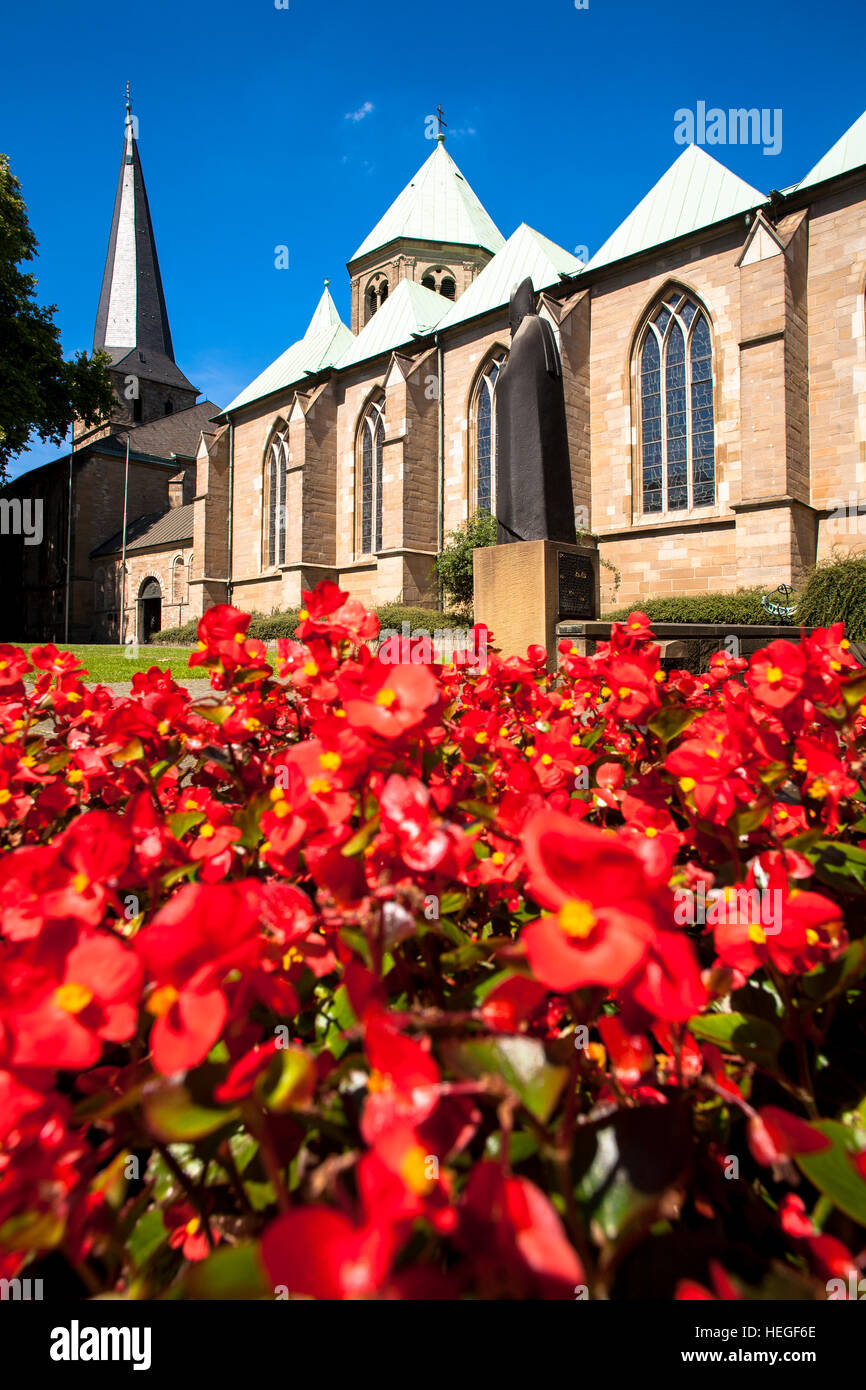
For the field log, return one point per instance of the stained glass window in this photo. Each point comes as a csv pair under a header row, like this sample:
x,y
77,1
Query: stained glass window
x,y
370,502
676,408
274,546
484,420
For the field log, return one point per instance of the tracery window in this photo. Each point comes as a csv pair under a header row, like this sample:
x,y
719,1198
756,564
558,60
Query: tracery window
x,y
482,481
274,511
675,404
368,510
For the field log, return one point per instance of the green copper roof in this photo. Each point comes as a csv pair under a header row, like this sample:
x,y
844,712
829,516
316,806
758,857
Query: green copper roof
x,y
848,153
410,310
696,192
437,205
325,340
526,252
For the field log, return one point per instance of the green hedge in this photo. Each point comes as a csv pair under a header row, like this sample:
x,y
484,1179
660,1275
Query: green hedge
x,y
834,592
744,606
269,628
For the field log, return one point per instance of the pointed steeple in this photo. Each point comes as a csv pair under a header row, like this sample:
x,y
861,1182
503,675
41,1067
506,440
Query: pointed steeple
x,y
132,311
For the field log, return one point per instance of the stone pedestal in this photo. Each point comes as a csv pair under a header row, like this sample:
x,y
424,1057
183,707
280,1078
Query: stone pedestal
x,y
524,589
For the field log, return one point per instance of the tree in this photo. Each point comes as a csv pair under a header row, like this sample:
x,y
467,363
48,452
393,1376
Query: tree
x,y
454,566
42,392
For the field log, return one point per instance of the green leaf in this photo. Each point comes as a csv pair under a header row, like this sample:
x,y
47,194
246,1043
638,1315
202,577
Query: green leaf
x,y
838,865
182,821
231,1272
146,1237
289,1082
628,1162
361,839
670,721
832,1171
171,1113
520,1062
753,1038
835,975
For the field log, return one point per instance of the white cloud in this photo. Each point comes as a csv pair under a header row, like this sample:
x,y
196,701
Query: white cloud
x,y
361,112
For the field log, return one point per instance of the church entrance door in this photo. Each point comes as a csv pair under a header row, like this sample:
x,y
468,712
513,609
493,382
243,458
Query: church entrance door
x,y
149,609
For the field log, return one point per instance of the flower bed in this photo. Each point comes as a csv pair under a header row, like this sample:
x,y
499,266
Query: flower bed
x,y
407,982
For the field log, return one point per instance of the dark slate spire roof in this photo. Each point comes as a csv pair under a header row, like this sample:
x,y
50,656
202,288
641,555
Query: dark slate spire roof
x,y
132,317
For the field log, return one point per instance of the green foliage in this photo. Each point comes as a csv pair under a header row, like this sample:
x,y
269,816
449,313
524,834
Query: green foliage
x,y
393,615
835,592
42,392
184,636
270,627
454,566
744,607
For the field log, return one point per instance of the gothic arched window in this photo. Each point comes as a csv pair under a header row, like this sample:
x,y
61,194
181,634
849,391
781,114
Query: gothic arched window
x,y
274,509
178,580
481,422
368,510
675,394
377,293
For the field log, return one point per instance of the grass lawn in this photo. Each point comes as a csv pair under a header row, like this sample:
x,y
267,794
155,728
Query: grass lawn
x,y
105,664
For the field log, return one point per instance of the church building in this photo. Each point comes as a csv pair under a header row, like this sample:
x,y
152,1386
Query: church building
x,y
714,363
714,366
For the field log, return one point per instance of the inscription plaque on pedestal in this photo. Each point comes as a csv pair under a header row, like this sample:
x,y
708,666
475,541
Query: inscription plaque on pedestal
x,y
576,586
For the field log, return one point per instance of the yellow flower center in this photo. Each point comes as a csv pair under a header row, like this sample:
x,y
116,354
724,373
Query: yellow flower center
x,y
844,644
292,957
303,615
162,1000
376,1082
624,692
330,761
812,937
687,784
660,677
163,727
206,831
413,1170
818,789
577,918
310,668
72,998
651,832
774,674
546,759
5,795
498,857
75,775
757,935
192,1227
320,786
386,696
239,637
81,883
282,809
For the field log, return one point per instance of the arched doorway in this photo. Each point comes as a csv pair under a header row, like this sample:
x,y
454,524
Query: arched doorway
x,y
149,609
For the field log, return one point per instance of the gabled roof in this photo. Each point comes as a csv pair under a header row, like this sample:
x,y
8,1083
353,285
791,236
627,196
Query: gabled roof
x,y
410,311
132,309
178,433
436,205
173,527
324,342
848,153
526,252
696,192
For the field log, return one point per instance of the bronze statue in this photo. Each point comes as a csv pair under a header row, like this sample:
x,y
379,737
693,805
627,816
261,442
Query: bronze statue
x,y
534,499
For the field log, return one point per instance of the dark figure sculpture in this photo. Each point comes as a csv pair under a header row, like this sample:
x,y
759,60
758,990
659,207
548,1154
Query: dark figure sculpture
x,y
533,478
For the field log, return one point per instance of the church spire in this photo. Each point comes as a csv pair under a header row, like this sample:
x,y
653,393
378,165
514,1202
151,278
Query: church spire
x,y
132,311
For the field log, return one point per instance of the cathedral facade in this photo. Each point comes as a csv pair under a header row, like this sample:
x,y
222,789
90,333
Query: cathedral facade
x,y
714,364
714,367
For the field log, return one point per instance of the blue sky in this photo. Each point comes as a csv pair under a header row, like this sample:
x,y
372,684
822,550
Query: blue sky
x,y
262,126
